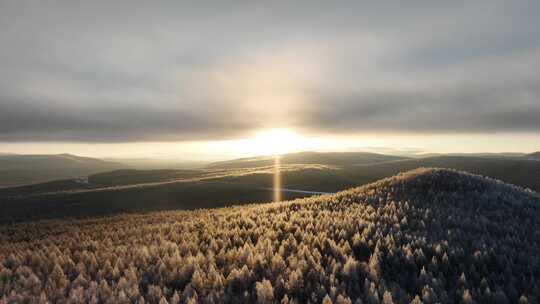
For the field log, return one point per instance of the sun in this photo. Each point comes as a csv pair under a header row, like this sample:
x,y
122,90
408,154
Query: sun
x,y
276,141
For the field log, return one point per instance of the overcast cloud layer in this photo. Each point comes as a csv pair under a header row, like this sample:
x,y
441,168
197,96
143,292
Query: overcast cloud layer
x,y
95,71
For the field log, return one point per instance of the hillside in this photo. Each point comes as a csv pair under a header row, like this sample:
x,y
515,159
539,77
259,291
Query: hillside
x,y
321,158
426,236
534,155
514,170
146,190
16,169
133,190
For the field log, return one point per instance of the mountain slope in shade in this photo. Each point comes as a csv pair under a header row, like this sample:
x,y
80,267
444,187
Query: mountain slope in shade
x,y
534,155
16,169
159,191
321,158
425,236
514,170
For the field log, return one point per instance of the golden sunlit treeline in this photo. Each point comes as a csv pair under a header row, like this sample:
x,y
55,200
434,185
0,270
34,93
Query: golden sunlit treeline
x,y
428,236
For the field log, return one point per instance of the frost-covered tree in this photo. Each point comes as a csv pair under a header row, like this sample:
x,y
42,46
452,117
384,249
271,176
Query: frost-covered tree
x,y
265,292
427,236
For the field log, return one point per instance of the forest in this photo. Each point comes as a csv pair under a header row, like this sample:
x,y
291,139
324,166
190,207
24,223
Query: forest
x,y
424,236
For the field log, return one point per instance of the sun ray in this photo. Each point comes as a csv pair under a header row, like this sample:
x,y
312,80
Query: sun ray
x,y
277,178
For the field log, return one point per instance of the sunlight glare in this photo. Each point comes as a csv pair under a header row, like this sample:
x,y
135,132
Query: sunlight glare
x,y
277,179
277,141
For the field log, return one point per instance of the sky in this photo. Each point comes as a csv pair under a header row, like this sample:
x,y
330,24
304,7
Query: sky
x,y
200,79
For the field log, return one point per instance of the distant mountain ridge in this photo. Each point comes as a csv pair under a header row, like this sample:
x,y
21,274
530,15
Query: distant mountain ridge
x,y
534,154
19,169
485,154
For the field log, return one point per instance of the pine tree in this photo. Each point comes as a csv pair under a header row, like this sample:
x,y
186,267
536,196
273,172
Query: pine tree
x,y
327,300
387,298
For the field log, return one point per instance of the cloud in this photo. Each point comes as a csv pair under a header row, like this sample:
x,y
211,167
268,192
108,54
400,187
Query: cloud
x,y
130,71
477,111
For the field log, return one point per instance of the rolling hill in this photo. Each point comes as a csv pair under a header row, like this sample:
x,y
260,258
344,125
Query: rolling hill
x,y
149,190
321,158
169,190
516,170
425,236
16,169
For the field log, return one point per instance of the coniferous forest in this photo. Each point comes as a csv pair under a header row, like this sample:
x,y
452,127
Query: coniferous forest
x,y
425,236
269,152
